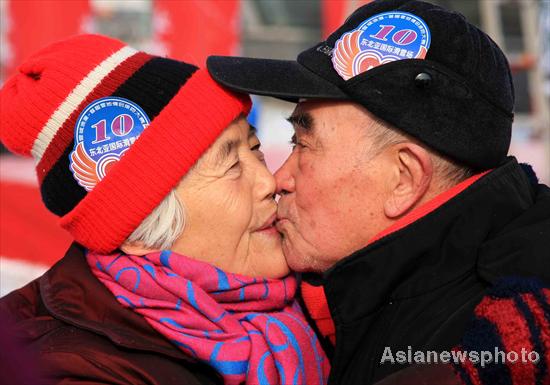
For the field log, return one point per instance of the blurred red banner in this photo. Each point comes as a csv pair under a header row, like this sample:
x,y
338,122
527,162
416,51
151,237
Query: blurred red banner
x,y
28,231
29,234
193,29
32,24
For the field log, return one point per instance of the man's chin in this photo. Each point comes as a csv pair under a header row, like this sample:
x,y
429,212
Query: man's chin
x,y
299,254
300,263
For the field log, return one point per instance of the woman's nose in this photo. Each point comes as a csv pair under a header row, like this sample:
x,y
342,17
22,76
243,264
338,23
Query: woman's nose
x,y
265,182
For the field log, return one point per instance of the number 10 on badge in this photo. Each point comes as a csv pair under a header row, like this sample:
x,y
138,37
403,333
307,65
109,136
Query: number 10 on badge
x,y
104,131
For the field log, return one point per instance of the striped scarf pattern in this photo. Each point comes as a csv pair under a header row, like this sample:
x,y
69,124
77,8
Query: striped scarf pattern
x,y
250,330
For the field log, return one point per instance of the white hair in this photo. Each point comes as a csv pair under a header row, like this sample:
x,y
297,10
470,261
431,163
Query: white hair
x,y
163,226
449,171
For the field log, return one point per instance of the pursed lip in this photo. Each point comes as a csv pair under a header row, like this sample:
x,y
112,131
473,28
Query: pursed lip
x,y
269,223
279,222
281,217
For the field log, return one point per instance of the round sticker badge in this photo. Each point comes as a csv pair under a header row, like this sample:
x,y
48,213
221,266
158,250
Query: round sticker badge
x,y
104,131
381,39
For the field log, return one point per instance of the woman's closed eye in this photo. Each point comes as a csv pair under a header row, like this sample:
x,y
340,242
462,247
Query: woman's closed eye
x,y
236,165
234,168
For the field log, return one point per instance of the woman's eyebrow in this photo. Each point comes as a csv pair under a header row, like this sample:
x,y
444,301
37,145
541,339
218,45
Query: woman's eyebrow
x,y
225,150
229,146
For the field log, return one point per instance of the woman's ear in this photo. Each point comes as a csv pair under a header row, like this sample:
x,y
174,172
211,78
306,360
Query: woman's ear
x,y
414,171
136,248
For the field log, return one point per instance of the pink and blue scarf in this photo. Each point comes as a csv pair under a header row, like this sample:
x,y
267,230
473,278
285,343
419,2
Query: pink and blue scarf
x,y
250,330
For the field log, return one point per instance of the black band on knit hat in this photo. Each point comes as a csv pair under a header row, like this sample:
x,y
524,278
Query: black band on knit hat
x,y
151,87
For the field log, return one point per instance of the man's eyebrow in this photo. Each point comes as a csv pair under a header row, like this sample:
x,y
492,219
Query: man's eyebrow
x,y
252,131
225,150
302,120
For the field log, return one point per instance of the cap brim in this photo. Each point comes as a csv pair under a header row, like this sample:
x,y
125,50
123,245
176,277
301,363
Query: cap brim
x,y
283,79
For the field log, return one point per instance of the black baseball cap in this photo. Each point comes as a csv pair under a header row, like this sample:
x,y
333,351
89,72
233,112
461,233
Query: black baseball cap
x,y
457,96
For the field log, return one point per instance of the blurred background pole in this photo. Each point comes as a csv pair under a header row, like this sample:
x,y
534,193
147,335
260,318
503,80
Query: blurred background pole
x,y
529,11
534,20
491,20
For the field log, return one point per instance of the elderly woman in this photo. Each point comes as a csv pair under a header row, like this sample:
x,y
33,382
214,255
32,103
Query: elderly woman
x,y
177,274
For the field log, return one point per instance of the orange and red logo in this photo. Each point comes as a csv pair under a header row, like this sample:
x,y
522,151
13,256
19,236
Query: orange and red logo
x,y
381,39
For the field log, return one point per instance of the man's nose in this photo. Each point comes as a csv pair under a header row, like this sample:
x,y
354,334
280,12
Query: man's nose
x,y
284,177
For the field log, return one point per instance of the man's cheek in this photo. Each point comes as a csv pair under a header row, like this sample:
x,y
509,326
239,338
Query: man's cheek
x,y
289,238
290,210
310,214
292,238
284,227
316,187
291,235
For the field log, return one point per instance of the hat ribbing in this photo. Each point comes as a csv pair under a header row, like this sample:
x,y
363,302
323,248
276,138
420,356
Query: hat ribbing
x,y
40,106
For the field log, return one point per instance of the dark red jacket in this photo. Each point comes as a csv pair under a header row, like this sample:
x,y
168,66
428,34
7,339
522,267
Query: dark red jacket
x,y
83,336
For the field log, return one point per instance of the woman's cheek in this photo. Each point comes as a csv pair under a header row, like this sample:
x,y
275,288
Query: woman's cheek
x,y
239,196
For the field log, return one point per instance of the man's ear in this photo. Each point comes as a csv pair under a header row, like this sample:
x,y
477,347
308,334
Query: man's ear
x,y
136,248
413,173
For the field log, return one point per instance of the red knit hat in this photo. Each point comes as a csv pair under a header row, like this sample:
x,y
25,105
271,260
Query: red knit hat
x,y
46,110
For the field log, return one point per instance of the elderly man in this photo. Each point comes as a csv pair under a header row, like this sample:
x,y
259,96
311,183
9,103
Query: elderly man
x,y
399,191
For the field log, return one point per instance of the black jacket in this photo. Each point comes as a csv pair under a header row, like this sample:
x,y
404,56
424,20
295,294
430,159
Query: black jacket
x,y
82,335
418,286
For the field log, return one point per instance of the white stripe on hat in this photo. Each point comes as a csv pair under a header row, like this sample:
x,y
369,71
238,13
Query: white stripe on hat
x,y
75,98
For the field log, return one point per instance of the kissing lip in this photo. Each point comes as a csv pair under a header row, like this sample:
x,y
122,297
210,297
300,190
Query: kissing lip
x,y
269,223
280,217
